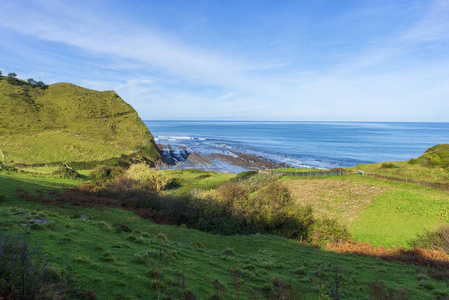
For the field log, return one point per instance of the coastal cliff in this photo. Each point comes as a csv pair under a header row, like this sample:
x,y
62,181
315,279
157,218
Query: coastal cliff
x,y
66,123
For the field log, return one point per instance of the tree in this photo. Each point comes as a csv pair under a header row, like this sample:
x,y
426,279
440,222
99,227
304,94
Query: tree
x,y
31,81
1,73
11,77
41,85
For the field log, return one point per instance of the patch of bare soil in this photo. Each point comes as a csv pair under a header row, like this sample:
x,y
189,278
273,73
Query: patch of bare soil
x,y
338,199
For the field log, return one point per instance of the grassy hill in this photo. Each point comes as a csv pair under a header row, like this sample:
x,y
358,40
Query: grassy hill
x,y
63,122
431,167
436,156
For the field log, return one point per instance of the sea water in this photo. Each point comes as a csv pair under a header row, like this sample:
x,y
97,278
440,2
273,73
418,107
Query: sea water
x,y
305,144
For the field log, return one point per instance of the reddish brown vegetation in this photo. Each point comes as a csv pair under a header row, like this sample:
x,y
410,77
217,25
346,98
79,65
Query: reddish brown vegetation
x,y
71,197
87,196
422,257
378,290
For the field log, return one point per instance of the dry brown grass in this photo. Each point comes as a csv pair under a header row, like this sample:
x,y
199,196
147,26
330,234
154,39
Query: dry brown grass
x,y
421,257
339,199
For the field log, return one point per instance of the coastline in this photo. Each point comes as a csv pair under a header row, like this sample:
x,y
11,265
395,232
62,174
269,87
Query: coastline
x,y
239,146
225,161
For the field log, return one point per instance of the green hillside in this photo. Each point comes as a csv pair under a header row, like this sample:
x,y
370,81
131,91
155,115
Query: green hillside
x,y
437,156
63,122
115,254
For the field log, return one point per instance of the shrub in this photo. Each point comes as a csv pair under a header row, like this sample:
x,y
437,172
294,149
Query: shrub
x,y
131,238
121,228
427,284
162,237
389,166
326,231
105,173
140,259
242,175
65,172
197,244
135,193
4,167
230,194
432,240
24,273
229,252
276,194
292,222
156,180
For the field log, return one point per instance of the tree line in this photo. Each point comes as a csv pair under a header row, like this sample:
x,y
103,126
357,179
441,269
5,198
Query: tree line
x,y
12,78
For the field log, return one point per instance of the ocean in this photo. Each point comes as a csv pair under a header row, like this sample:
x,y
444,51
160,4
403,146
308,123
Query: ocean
x,y
303,144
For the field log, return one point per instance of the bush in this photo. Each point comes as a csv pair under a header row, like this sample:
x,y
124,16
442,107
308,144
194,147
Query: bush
x,y
230,194
432,240
292,222
162,237
379,290
105,173
242,176
154,179
229,252
24,273
121,228
389,166
65,172
276,195
4,167
326,231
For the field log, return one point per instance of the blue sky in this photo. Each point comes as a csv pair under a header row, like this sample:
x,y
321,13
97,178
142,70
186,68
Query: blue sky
x,y
316,60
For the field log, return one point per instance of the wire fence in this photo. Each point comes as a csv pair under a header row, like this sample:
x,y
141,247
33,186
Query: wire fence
x,y
436,185
339,172
344,172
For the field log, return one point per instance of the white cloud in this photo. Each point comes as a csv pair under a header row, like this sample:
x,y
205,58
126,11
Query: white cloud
x,y
169,77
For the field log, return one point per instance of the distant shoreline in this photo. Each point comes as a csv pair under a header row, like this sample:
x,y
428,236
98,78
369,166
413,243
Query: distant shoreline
x,y
226,162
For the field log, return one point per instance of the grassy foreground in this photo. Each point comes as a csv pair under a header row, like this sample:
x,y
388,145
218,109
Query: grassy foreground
x,y
113,251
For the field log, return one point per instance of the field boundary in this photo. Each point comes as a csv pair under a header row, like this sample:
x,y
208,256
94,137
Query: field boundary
x,y
345,172
436,185
339,172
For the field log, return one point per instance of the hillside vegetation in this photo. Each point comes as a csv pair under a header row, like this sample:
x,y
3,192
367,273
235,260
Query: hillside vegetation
x,y
436,156
430,169
66,123
123,254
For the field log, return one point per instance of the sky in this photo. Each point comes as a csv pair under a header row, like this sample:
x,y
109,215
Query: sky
x,y
310,60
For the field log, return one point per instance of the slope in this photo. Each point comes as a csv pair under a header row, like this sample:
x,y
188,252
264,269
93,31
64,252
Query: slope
x,y
67,123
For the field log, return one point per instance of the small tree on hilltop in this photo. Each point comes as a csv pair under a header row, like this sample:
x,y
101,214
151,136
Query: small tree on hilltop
x,y
1,73
41,85
31,81
11,77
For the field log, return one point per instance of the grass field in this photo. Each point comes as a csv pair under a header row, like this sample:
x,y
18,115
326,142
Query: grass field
x,y
116,264
405,170
378,211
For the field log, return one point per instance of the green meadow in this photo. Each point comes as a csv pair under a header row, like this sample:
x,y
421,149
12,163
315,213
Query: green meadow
x,y
112,252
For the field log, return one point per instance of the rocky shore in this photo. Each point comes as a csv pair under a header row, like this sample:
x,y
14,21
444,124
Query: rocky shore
x,y
223,161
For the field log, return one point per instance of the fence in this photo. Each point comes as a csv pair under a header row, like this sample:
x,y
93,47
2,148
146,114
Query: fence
x,y
436,185
339,172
